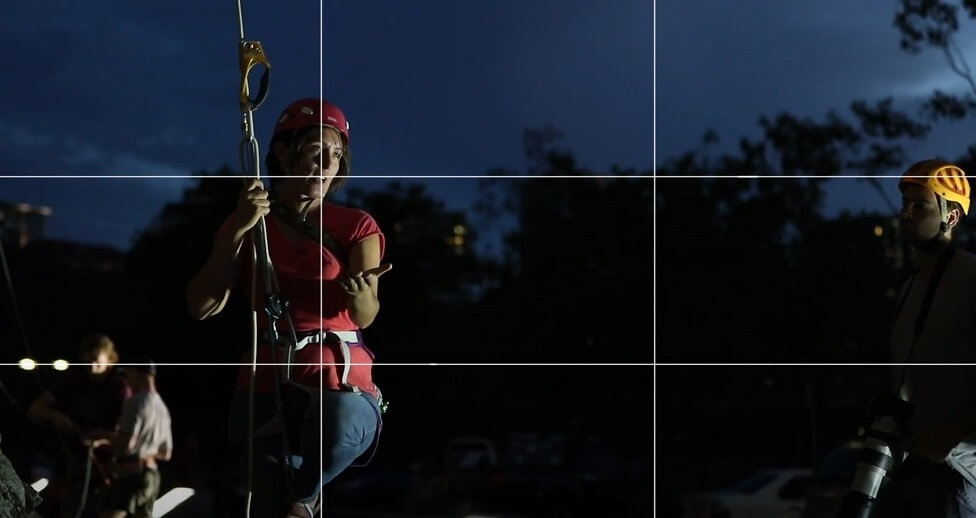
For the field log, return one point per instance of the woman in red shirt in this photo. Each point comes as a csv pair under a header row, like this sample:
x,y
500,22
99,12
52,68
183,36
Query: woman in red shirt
x,y
326,258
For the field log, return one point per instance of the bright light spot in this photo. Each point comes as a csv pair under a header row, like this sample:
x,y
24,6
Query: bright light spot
x,y
170,500
60,365
460,230
39,485
27,364
878,231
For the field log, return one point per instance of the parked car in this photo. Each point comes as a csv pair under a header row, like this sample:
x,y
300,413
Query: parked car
x,y
769,493
525,476
831,480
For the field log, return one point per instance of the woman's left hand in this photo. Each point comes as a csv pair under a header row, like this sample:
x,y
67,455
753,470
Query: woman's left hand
x,y
362,283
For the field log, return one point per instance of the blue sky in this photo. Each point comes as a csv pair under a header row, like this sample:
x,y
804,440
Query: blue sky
x,y
435,88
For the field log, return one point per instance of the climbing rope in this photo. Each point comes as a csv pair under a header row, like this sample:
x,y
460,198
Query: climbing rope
x,y
251,54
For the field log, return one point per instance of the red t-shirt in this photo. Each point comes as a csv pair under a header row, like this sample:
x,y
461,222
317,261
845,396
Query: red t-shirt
x,y
308,276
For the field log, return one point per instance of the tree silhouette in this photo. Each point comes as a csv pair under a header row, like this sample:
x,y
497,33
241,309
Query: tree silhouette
x,y
578,262
756,267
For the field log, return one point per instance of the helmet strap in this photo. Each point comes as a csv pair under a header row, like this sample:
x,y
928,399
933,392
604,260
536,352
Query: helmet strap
x,y
304,214
936,241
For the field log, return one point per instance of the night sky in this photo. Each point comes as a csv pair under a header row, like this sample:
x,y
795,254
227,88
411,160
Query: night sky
x,y
722,65
431,89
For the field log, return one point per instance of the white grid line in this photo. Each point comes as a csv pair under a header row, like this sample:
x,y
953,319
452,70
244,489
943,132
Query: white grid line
x,y
358,176
379,364
321,225
654,254
813,364
775,176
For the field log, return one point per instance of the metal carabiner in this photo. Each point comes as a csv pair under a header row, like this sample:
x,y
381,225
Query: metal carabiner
x,y
252,54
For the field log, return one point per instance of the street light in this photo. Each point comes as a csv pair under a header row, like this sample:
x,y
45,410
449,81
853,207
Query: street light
x,y
60,365
27,364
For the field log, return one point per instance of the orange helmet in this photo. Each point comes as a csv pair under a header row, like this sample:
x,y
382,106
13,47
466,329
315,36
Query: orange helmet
x,y
947,180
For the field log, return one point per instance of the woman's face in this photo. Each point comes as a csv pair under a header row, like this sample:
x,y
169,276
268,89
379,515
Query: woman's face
x,y
317,163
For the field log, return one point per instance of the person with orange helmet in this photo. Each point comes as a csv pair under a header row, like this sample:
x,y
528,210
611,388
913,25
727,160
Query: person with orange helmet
x,y
935,323
937,185
327,259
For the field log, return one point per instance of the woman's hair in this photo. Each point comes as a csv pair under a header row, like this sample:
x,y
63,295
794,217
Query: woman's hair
x,y
293,141
96,344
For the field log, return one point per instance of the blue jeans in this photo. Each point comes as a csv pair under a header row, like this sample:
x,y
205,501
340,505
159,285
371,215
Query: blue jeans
x,y
350,424
919,488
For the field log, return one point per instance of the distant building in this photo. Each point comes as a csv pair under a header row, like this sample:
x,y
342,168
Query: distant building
x,y
24,227
21,223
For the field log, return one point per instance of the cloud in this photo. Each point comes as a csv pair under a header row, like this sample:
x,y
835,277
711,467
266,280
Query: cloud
x,y
723,64
22,138
60,155
160,80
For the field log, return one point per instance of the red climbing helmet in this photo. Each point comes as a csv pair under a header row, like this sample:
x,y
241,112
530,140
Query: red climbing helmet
x,y
312,112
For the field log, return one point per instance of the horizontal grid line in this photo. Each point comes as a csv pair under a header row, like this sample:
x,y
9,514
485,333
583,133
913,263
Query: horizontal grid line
x,y
813,364
358,176
506,364
378,364
780,176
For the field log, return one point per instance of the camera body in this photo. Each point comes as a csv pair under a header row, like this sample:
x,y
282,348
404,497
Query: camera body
x,y
882,450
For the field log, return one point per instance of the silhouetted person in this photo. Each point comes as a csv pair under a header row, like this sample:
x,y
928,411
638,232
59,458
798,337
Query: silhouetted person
x,y
89,398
